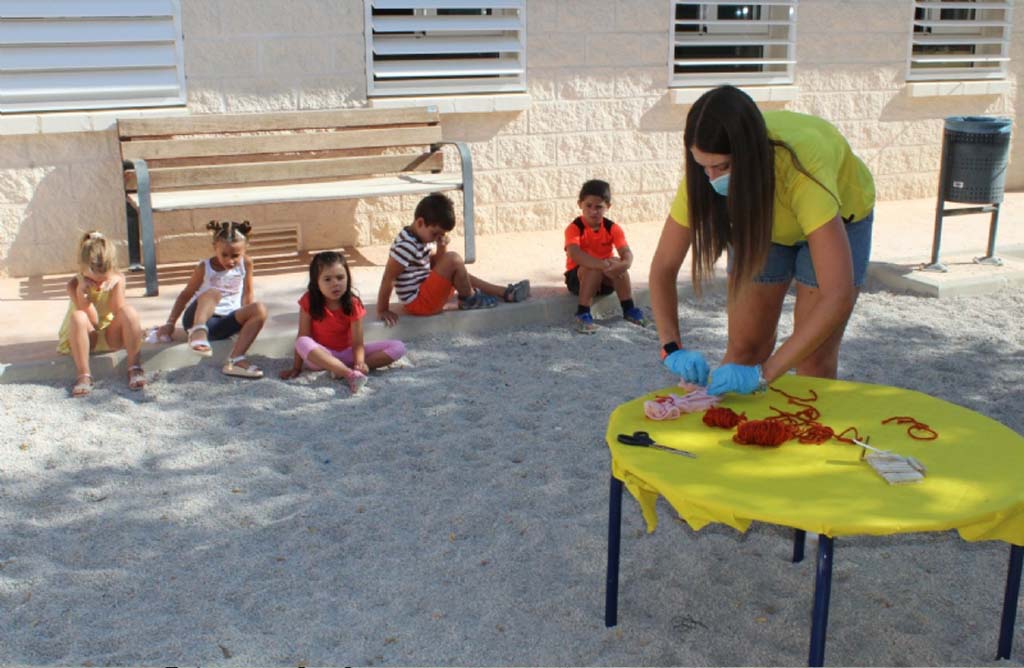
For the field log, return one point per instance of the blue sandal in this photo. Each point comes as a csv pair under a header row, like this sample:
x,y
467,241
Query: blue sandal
x,y
477,300
517,292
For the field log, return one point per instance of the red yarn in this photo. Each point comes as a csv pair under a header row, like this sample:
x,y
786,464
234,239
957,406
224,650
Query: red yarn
x,y
796,400
726,418
841,436
929,434
801,424
768,433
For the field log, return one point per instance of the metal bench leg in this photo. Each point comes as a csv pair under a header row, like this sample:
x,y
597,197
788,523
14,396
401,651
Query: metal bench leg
x,y
822,593
1010,602
146,220
799,537
611,583
134,254
468,217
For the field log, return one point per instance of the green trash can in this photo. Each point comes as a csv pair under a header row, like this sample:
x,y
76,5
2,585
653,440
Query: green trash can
x,y
975,153
976,150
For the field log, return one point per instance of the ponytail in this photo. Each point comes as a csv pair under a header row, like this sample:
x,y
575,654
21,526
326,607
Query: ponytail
x,y
229,230
96,253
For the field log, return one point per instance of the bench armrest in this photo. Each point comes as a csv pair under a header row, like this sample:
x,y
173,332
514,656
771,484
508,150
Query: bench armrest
x,y
468,221
145,223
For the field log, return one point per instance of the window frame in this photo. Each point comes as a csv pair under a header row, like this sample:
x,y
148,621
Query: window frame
x,y
927,29
86,72
460,47
716,33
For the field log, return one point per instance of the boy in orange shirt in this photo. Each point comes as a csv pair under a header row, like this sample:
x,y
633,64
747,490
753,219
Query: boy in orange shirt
x,y
590,268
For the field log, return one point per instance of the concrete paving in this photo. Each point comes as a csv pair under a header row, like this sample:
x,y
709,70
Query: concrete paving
x,y
31,309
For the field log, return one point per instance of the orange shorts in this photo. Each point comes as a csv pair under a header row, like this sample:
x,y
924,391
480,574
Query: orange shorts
x,y
434,292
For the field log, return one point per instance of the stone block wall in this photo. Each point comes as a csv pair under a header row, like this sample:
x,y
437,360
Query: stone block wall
x,y
599,107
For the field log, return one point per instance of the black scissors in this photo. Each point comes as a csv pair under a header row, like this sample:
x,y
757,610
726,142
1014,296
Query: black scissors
x,y
644,440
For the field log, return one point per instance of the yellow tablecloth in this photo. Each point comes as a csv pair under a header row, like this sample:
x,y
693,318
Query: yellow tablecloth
x,y
974,484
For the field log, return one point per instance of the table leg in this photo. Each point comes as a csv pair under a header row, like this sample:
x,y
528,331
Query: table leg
x,y
799,536
611,583
1010,601
822,591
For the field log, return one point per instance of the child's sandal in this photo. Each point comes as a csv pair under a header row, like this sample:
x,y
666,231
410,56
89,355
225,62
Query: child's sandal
x,y
232,368
136,378
83,385
477,300
356,381
517,292
201,346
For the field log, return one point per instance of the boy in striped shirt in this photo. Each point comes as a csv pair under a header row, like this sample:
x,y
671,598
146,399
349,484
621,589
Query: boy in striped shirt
x,y
424,273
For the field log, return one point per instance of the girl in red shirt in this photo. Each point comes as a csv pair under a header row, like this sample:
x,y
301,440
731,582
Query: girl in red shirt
x,y
331,327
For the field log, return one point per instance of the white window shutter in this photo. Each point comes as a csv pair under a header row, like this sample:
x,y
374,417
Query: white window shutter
x,y
438,47
715,42
960,40
60,55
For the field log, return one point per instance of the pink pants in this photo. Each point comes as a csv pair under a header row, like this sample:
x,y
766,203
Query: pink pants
x,y
305,344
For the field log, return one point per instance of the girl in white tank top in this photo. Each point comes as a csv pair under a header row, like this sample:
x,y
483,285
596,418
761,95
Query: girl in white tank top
x,y
219,303
228,281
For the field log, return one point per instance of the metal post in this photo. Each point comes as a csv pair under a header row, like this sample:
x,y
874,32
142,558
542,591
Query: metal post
x,y
822,592
799,536
990,253
1010,602
935,265
611,583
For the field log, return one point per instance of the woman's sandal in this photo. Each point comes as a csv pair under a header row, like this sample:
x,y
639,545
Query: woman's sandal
x,y
136,378
83,385
232,368
201,346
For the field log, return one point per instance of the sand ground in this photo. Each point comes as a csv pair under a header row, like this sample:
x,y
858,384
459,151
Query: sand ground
x,y
456,513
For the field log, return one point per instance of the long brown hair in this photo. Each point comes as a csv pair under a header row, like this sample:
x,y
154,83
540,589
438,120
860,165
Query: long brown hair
x,y
317,302
726,121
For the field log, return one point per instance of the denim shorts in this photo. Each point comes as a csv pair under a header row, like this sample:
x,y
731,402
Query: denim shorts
x,y
787,262
218,326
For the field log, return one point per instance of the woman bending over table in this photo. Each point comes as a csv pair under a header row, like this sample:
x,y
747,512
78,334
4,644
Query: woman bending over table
x,y
785,197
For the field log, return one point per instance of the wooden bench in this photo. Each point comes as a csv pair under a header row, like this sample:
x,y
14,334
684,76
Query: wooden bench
x,y
194,162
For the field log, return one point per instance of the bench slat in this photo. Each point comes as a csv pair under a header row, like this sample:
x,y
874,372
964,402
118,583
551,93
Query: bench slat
x,y
288,170
354,189
286,143
128,128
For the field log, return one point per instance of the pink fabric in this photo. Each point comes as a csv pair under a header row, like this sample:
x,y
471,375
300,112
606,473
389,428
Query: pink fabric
x,y
305,344
671,406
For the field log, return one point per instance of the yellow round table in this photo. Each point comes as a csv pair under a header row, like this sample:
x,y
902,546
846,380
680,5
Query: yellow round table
x,y
973,477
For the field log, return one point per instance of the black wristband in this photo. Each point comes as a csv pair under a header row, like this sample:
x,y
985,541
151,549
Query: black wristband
x,y
670,347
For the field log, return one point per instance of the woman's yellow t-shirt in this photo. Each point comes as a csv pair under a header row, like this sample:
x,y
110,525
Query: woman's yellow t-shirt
x,y
801,205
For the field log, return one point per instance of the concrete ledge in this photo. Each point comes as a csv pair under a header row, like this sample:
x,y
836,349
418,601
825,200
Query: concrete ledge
x,y
963,278
277,340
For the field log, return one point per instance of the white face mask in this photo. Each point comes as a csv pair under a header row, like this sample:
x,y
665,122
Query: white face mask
x,y
721,184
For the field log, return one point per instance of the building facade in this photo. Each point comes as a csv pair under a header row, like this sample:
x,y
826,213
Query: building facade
x,y
548,93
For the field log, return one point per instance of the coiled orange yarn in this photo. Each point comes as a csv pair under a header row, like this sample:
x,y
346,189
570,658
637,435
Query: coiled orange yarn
x,y
768,433
726,418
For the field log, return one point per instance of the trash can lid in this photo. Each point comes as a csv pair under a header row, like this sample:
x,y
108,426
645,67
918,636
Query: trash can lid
x,y
982,125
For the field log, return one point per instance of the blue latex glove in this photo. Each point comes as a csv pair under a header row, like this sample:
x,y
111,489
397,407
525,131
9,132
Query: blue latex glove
x,y
688,364
735,378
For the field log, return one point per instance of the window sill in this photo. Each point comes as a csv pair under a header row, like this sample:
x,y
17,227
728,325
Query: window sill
x,y
77,121
458,104
758,93
941,88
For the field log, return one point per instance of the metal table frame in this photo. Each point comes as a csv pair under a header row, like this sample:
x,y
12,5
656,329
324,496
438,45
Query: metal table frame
x,y
822,582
